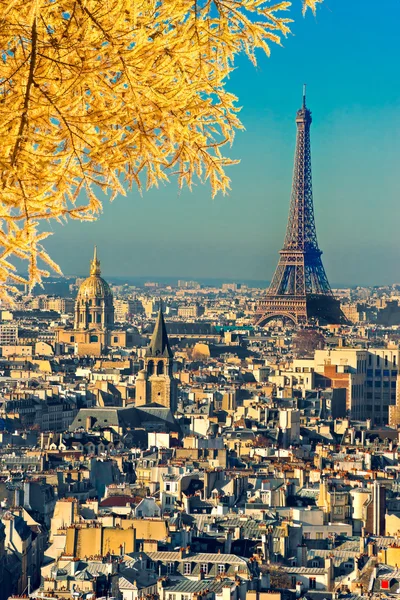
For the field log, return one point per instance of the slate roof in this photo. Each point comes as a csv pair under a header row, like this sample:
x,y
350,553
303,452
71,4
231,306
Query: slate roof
x,y
198,558
188,586
159,343
128,417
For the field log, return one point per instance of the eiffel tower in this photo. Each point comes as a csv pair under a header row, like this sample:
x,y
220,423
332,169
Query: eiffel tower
x,y
300,291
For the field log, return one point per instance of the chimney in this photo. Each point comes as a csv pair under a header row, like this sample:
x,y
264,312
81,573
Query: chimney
x,y
329,573
226,592
301,555
265,582
352,436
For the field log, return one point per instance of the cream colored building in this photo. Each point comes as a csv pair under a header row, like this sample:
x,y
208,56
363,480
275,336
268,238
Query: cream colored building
x,y
371,376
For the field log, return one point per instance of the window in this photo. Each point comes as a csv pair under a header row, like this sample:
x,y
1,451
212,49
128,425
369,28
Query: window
x,y
394,373
315,564
167,487
370,372
377,372
386,372
187,568
160,367
337,510
171,596
115,338
378,360
221,569
72,338
312,583
167,500
293,581
319,535
170,568
378,384
204,568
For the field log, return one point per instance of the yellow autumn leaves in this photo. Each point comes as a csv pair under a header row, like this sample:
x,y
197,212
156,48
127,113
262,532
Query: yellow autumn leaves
x,y
106,94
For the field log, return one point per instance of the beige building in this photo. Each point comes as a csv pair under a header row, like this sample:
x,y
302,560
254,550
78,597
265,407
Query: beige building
x,y
95,540
190,311
370,377
123,309
8,334
61,305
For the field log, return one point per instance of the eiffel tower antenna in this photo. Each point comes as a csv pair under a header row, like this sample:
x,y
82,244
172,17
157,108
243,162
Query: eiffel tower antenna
x,y
299,289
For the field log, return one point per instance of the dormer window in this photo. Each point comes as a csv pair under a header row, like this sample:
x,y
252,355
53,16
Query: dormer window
x,y
170,568
221,569
204,568
187,568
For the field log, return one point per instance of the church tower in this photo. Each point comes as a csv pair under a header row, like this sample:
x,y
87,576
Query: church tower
x,y
155,383
94,308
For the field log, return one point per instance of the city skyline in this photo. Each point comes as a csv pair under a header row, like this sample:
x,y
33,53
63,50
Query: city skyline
x,y
354,101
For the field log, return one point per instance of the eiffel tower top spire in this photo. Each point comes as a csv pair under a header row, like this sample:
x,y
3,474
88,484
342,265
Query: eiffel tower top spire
x,y
301,233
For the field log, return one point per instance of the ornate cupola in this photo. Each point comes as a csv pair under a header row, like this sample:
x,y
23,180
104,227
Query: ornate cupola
x,y
94,308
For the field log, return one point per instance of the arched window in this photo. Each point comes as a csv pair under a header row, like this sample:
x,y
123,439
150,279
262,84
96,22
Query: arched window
x,y
150,367
160,367
94,338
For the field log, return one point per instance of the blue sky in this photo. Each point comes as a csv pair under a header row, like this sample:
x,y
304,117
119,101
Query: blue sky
x,y
349,56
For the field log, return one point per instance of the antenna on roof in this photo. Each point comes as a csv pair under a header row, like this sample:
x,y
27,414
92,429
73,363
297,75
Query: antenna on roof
x,y
304,94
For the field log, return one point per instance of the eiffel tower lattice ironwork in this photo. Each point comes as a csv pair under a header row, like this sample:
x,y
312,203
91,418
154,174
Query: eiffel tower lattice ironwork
x,y
299,289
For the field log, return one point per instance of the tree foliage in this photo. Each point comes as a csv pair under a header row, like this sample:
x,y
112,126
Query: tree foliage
x,y
306,341
104,94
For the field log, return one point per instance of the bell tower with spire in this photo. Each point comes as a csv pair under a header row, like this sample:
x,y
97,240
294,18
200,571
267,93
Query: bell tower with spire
x,y
155,383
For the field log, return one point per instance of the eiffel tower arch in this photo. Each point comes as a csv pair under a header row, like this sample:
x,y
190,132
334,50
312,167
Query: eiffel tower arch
x,y
299,290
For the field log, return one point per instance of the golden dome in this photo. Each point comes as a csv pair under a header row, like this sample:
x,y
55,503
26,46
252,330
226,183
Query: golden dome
x,y
94,286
